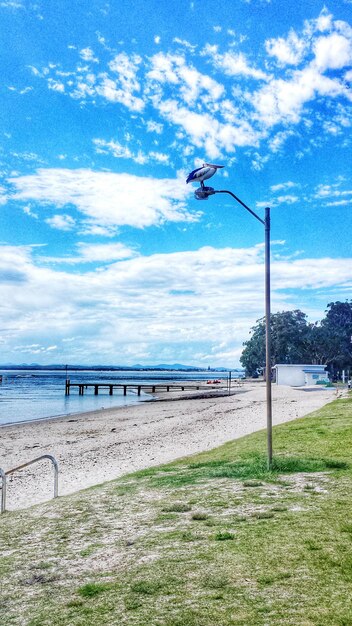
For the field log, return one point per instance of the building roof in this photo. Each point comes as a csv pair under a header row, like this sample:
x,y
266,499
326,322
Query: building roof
x,y
304,366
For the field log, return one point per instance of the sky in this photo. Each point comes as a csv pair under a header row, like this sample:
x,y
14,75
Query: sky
x,y
106,257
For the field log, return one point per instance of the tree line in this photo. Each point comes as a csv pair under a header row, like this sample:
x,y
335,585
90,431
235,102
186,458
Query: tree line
x,y
295,340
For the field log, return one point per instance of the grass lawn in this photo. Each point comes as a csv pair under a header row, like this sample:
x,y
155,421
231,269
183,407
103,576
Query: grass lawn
x,y
211,540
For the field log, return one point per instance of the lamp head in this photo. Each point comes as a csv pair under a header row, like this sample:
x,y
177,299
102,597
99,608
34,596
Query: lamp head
x,y
203,193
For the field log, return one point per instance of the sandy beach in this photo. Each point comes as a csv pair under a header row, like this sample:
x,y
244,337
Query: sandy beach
x,y
92,448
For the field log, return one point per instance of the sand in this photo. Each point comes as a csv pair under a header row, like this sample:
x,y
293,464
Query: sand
x,y
94,447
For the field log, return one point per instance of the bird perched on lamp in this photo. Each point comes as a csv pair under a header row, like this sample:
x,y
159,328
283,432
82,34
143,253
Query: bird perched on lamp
x,y
203,173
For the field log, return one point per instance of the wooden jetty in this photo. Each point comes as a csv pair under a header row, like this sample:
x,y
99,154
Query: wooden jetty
x,y
147,388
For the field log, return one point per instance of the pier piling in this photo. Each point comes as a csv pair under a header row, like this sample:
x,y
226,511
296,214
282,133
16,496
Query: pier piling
x,y
146,387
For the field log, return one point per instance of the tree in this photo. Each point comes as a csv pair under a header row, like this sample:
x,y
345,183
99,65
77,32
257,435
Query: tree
x,y
253,355
294,340
337,335
289,341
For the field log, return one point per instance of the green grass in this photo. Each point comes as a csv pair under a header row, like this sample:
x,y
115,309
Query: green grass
x,y
177,507
211,539
93,589
224,536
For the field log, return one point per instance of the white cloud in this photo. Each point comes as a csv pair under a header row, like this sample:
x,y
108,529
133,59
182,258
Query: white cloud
x,y
107,199
283,100
348,77
150,303
339,203
55,85
207,132
287,199
281,186
119,84
83,89
118,150
289,51
258,161
173,69
154,127
111,91
160,157
87,54
332,52
184,43
233,64
114,147
332,128
298,69
34,70
95,253
27,156
28,211
324,21
22,91
89,227
61,222
34,348
277,142
276,201
124,89
11,4
325,192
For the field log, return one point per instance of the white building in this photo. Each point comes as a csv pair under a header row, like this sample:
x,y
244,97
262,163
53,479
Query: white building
x,y
299,375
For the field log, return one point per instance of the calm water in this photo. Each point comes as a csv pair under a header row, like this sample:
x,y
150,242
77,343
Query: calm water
x,y
32,394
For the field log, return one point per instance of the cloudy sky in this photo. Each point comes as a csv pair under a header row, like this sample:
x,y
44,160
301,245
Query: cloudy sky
x,y
106,257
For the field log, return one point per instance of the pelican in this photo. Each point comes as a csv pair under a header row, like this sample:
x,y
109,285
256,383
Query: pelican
x,y
203,173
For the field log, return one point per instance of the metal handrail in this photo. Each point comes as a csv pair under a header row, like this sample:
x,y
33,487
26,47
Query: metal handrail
x,y
3,490
4,474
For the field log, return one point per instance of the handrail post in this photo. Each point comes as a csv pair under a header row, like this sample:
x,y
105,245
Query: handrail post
x,y
19,467
56,474
3,491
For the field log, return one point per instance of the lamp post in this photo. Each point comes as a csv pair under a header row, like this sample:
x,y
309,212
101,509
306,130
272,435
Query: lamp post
x,y
203,193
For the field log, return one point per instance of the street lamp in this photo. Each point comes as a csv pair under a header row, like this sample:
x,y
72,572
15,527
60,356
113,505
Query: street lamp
x,y
203,193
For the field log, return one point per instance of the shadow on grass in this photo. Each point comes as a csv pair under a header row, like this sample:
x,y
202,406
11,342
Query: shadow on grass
x,y
256,466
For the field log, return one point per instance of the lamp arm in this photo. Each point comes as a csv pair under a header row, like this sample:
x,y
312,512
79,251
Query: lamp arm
x,y
240,202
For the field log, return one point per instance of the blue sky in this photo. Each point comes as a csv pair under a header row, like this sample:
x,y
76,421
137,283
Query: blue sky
x,y
106,257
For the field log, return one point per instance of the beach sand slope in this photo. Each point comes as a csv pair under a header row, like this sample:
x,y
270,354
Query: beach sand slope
x,y
94,447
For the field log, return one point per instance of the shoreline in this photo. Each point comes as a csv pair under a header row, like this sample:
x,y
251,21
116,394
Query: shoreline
x,y
64,415
151,398
98,446
32,411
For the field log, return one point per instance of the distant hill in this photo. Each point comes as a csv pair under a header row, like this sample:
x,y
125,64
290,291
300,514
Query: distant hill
x,y
136,367
165,366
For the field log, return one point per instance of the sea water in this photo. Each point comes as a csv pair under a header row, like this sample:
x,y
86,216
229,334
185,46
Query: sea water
x,y
27,395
